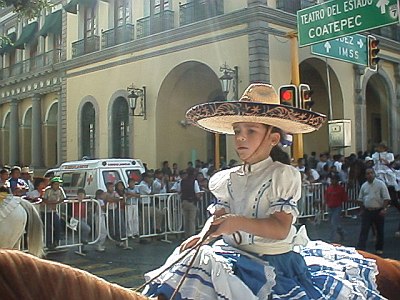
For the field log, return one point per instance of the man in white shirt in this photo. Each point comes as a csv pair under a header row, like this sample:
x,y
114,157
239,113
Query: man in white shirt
x,y
374,198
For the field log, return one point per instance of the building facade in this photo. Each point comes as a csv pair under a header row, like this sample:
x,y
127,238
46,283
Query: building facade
x,y
65,78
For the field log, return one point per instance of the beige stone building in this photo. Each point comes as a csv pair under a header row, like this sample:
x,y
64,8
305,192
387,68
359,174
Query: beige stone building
x,y
64,78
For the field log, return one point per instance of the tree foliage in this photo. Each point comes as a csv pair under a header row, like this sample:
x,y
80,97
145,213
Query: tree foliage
x,y
26,8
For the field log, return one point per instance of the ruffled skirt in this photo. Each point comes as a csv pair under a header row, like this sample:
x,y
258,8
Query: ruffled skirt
x,y
319,271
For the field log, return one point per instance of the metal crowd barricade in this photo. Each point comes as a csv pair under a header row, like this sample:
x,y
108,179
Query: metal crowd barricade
x,y
202,208
116,222
311,203
71,224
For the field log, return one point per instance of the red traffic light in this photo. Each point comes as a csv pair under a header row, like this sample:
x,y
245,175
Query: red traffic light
x,y
288,94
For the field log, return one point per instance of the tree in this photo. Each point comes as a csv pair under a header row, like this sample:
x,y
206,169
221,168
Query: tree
x,y
26,8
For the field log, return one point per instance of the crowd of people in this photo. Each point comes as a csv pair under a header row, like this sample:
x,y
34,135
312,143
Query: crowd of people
x,y
377,177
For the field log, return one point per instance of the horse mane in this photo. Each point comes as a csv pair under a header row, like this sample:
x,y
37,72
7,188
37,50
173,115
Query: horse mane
x,y
388,279
24,276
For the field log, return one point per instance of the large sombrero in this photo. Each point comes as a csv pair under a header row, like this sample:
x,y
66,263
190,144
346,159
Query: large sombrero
x,y
259,104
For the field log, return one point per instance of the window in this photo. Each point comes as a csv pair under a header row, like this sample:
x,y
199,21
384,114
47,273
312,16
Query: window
x,y
88,130
122,13
74,180
90,22
134,174
161,5
120,128
111,176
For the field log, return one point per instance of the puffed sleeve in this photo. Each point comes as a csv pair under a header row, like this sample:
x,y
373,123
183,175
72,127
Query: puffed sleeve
x,y
219,186
285,190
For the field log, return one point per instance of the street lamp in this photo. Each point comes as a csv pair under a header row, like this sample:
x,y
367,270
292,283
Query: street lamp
x,y
229,76
137,96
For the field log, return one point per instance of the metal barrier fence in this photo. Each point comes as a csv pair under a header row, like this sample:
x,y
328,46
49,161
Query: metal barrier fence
x,y
74,224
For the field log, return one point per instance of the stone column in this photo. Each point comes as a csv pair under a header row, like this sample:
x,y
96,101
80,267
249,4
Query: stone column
x,y
59,130
14,133
360,111
396,111
259,69
37,149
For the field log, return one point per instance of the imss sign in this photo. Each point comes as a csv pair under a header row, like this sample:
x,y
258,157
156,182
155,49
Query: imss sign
x,y
334,19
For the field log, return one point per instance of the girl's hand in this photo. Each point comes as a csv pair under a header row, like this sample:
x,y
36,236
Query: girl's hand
x,y
226,224
189,243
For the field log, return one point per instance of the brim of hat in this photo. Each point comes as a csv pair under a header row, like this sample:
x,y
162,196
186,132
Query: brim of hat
x,y
219,117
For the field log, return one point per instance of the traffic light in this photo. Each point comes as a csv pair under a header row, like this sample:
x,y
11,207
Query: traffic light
x,y
305,96
373,51
288,95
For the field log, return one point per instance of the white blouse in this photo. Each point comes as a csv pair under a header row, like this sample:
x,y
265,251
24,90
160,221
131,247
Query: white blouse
x,y
257,191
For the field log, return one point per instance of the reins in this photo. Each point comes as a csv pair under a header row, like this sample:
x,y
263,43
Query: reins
x,y
189,250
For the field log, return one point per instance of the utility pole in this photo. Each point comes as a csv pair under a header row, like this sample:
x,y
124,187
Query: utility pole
x,y
294,53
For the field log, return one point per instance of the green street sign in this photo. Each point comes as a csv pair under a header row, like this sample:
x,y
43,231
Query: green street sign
x,y
350,48
334,19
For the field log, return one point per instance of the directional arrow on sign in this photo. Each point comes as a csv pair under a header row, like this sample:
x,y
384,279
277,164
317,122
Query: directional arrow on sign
x,y
360,43
327,46
351,48
382,5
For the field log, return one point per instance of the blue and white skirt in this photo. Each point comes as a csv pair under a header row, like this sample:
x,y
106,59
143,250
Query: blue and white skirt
x,y
319,271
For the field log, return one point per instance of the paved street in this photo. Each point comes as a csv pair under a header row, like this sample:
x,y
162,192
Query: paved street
x,y
126,267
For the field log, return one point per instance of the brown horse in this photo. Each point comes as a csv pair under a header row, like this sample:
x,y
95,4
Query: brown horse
x,y
388,279
23,276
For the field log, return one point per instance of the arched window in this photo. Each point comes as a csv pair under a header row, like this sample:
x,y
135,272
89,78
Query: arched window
x,y
88,130
120,128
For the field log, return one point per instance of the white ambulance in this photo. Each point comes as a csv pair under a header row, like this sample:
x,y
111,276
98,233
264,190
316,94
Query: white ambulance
x,y
93,174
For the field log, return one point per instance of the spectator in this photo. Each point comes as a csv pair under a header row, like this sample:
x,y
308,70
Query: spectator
x,y
335,195
166,170
4,176
100,216
152,217
17,185
79,212
158,185
26,175
189,190
53,195
374,199
116,221
132,194
312,160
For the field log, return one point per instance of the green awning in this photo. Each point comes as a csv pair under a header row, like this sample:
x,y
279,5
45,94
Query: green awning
x,y
72,6
27,34
8,44
52,24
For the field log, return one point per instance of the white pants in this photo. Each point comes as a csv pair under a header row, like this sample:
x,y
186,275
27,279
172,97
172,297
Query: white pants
x,y
132,219
101,228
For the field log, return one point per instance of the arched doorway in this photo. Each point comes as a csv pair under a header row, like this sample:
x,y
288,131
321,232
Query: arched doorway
x,y
6,139
313,72
377,101
50,136
120,128
26,142
185,85
88,130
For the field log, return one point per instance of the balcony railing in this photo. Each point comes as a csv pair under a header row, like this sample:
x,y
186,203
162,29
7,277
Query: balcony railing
x,y
31,64
154,24
292,6
118,35
199,10
391,32
85,46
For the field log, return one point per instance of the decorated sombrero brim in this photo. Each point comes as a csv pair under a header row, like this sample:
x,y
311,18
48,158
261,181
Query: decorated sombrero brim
x,y
259,104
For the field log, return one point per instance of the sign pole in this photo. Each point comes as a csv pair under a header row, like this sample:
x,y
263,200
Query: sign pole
x,y
294,53
216,154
